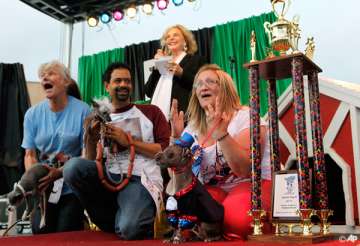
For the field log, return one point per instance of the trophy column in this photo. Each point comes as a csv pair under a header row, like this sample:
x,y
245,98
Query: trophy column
x,y
305,211
321,198
256,211
273,126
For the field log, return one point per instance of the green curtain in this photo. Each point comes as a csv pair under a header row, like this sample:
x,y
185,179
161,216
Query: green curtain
x,y
232,41
91,69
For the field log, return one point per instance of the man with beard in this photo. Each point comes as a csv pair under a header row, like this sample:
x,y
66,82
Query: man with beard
x,y
130,212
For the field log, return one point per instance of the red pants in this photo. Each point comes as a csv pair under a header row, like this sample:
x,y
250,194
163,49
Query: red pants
x,y
237,204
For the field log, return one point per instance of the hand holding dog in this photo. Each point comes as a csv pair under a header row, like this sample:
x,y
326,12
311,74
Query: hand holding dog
x,y
116,134
53,174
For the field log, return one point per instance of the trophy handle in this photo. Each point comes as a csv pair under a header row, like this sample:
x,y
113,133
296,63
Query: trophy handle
x,y
296,19
267,30
285,7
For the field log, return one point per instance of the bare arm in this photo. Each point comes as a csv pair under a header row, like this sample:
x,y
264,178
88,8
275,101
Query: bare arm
x,y
237,152
147,149
117,134
30,158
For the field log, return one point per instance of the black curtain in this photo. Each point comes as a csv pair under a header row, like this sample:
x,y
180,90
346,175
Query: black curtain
x,y
204,38
14,101
135,55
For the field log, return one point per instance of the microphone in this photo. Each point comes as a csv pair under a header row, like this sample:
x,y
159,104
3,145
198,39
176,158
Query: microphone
x,y
232,61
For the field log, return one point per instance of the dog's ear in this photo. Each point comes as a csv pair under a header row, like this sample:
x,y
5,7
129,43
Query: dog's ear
x,y
95,104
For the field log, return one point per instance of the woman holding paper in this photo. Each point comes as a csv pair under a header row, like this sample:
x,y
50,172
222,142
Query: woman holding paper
x,y
181,64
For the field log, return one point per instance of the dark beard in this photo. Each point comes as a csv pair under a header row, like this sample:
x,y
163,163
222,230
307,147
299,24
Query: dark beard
x,y
122,97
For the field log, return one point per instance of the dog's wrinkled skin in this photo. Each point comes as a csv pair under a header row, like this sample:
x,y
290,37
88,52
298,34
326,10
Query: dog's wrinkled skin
x,y
177,157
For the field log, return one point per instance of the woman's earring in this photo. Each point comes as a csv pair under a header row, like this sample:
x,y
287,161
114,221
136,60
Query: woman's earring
x,y
185,47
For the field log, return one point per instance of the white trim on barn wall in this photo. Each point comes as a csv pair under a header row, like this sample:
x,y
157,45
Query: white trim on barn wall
x,y
348,95
355,133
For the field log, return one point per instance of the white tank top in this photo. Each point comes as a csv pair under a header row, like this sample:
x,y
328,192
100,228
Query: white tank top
x,y
213,168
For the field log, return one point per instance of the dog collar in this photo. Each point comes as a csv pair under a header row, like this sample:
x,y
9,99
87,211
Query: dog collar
x,y
187,189
22,190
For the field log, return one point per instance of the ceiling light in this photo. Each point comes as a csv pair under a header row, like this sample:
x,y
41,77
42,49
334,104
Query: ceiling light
x,y
118,15
105,17
92,21
131,11
162,4
178,2
148,8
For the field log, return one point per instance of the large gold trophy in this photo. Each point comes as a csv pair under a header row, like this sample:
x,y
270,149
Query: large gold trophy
x,y
293,204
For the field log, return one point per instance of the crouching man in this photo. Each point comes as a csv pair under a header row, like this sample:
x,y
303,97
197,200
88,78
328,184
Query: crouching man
x,y
129,212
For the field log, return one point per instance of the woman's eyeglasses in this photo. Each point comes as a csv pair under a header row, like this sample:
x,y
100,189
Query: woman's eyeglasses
x,y
207,82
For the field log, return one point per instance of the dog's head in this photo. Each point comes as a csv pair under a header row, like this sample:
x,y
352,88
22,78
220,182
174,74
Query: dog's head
x,y
16,197
173,156
178,155
102,110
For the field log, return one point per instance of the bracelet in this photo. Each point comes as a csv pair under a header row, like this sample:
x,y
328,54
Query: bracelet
x,y
223,136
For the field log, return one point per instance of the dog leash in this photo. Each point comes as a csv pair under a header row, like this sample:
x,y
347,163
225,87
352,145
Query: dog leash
x,y
99,165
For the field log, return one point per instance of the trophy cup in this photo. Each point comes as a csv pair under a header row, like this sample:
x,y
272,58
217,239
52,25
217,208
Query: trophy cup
x,y
283,34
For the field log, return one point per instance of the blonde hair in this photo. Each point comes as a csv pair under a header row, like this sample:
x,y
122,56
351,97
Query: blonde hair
x,y
188,36
56,66
228,98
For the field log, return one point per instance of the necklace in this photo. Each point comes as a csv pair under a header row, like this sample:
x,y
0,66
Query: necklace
x,y
198,150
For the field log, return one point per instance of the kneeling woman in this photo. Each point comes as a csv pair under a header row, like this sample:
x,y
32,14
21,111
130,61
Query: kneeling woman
x,y
220,126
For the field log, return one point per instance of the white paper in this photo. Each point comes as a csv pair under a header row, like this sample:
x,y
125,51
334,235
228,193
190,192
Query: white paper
x,y
286,196
56,191
162,65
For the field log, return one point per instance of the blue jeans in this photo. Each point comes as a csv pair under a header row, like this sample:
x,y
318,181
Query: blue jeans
x,y
130,213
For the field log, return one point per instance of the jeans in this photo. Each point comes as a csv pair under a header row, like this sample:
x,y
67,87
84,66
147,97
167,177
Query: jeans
x,y
66,215
130,212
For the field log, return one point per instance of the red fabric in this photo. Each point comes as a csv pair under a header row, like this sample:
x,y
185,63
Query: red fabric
x,y
89,238
237,204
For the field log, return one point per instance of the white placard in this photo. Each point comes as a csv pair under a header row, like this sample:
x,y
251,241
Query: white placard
x,y
286,195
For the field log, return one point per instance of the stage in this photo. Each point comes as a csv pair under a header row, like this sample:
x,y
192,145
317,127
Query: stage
x,y
85,238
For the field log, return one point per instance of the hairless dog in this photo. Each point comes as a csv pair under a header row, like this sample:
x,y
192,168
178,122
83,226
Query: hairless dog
x,y
189,205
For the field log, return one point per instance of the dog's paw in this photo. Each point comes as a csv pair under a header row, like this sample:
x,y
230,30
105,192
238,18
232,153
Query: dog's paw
x,y
212,239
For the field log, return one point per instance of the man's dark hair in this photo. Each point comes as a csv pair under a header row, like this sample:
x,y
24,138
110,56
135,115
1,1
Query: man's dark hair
x,y
116,65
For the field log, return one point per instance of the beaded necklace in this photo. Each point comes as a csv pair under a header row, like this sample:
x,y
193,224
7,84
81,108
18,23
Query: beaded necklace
x,y
198,151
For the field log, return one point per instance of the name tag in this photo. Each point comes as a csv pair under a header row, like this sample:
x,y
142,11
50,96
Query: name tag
x,y
56,191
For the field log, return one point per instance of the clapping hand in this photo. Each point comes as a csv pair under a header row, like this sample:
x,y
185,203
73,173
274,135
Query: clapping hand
x,y
217,120
176,120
